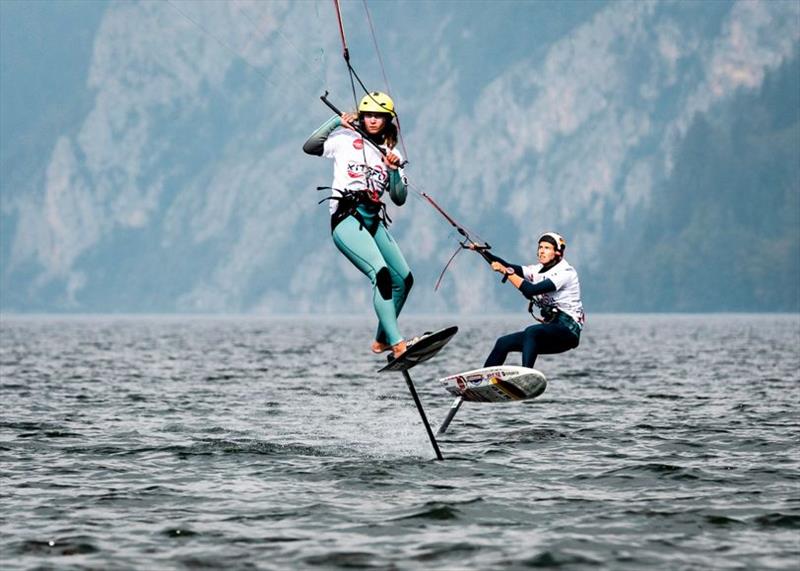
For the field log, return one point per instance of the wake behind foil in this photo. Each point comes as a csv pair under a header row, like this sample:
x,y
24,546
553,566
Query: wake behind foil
x,y
490,384
420,350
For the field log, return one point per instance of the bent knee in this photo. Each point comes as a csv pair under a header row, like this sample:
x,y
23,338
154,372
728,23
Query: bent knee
x,y
505,340
383,281
408,282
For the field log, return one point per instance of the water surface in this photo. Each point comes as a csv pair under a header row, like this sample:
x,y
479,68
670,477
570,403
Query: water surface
x,y
662,442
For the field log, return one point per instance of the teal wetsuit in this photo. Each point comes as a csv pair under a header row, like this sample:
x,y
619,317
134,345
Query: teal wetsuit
x,y
358,219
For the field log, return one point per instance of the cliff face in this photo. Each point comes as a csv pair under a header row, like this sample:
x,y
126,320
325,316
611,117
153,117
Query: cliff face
x,y
151,160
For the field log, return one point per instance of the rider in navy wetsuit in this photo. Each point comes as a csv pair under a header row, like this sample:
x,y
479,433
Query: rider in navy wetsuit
x,y
551,285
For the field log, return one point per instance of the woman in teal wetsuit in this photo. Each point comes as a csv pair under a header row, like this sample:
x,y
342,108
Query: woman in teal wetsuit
x,y
361,176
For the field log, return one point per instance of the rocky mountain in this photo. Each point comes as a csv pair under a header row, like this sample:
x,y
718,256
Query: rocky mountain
x,y
150,152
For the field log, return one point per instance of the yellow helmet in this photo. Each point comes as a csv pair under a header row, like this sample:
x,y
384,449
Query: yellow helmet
x,y
376,102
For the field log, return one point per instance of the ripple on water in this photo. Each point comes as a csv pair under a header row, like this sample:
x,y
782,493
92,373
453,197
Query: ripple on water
x,y
64,546
662,442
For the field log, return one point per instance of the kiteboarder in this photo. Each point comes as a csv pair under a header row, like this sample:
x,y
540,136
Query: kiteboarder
x,y
551,285
361,176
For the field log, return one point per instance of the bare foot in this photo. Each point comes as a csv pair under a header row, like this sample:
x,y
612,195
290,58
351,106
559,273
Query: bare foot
x,y
398,349
378,347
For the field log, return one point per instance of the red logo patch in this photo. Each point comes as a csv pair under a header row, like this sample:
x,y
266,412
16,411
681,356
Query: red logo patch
x,y
358,144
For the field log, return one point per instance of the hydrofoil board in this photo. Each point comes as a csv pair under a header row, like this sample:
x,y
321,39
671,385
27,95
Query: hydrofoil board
x,y
421,349
496,384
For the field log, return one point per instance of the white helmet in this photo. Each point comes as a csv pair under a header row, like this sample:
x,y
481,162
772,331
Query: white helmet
x,y
557,240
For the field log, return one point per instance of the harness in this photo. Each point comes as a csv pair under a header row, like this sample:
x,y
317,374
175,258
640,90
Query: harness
x,y
549,313
350,201
552,314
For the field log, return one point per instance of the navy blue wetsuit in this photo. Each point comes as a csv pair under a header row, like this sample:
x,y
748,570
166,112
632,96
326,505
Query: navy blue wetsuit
x,y
559,333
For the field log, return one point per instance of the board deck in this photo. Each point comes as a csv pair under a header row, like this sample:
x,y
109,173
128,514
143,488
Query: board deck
x,y
421,350
496,384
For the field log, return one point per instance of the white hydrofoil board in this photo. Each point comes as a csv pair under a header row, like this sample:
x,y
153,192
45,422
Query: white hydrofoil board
x,y
496,384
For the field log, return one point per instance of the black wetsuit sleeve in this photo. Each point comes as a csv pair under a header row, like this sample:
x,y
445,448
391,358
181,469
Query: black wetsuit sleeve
x,y
530,289
397,187
316,142
517,269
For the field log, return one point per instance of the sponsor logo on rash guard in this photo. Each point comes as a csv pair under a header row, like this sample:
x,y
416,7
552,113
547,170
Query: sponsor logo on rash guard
x,y
377,174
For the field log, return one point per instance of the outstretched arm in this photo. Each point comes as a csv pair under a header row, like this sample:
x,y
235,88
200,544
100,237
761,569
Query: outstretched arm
x,y
527,288
517,269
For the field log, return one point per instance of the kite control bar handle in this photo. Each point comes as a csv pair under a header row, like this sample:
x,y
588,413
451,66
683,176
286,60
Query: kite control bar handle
x,y
356,126
482,249
327,102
